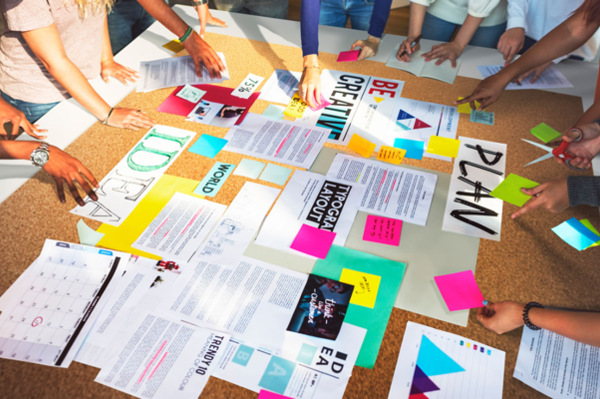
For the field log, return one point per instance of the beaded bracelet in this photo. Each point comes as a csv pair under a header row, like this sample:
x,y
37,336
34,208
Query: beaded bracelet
x,y
526,315
187,34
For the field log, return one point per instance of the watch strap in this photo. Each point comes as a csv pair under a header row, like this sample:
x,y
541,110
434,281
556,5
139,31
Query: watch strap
x,y
196,3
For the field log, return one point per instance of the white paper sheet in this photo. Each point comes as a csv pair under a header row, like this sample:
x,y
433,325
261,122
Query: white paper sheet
x,y
253,301
445,365
48,318
163,358
282,141
173,72
312,199
551,78
248,86
135,175
488,180
391,191
306,367
180,227
558,366
238,225
280,87
24,278
421,68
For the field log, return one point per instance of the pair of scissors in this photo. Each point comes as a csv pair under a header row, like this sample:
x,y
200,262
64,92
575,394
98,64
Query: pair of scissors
x,y
558,152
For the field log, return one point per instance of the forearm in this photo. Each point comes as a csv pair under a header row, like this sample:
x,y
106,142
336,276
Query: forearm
x,y
309,27
467,30
591,115
417,16
580,326
10,149
165,15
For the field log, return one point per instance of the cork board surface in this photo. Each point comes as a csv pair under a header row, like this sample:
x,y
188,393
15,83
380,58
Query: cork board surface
x,y
530,263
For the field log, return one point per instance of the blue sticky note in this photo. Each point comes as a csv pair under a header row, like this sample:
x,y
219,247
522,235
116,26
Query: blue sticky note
x,y
249,168
414,148
214,179
274,112
275,174
208,146
574,233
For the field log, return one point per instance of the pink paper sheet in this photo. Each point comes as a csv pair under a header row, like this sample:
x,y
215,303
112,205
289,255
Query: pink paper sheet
x,y
383,230
271,395
346,56
324,103
179,106
313,241
460,290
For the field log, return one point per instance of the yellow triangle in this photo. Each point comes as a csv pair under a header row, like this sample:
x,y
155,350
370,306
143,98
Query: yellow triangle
x,y
378,99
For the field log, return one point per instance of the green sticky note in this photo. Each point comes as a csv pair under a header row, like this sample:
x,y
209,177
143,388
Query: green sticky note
x,y
374,319
274,112
249,168
545,133
588,224
510,190
487,118
275,174
87,235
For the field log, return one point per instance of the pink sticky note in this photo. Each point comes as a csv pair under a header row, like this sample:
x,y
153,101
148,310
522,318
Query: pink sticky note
x,y
271,395
324,103
313,241
346,56
460,290
383,230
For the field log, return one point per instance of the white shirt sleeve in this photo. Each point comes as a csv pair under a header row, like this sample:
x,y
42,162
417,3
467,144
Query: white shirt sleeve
x,y
425,3
482,8
517,14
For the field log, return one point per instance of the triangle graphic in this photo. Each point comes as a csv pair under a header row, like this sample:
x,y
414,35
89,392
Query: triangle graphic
x,y
421,383
378,99
403,126
419,124
404,115
418,396
432,361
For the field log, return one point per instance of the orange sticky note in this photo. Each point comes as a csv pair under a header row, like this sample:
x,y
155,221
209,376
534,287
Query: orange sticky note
x,y
361,145
296,107
466,108
174,46
391,154
443,146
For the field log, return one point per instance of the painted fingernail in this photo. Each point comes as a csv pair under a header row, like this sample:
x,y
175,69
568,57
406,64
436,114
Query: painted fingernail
x,y
485,303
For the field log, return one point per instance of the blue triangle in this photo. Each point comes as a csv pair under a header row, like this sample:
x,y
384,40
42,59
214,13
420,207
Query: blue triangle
x,y
404,115
435,362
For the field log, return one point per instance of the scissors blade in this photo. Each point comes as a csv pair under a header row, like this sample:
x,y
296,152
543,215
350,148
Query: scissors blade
x,y
538,145
540,159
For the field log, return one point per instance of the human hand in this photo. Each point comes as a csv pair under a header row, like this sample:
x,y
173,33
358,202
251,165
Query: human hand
x,y
510,43
445,51
121,73
201,52
205,17
487,92
501,317
309,88
8,113
585,149
536,73
65,169
552,195
406,50
368,48
127,118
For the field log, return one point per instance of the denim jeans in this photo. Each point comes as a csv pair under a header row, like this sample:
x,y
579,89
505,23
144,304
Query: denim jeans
x,y
337,12
435,28
126,21
32,111
262,8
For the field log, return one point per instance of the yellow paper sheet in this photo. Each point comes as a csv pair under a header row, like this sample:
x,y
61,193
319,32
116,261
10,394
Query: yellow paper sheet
x,y
588,224
365,285
361,145
391,154
121,237
443,146
174,46
466,108
296,107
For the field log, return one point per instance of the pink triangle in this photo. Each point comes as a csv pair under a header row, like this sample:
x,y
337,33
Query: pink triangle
x,y
419,124
418,396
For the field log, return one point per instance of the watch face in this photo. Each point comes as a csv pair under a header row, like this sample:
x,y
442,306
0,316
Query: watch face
x,y
40,157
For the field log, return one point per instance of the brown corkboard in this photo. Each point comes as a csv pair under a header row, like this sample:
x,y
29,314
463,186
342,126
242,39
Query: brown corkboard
x,y
530,263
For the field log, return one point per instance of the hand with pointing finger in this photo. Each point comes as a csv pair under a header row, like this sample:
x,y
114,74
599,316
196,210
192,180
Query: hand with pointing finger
x,y
552,195
510,43
487,91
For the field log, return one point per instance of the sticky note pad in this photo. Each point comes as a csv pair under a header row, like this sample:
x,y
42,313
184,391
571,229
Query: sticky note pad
x,y
190,93
296,107
443,146
275,174
383,230
208,146
460,290
366,286
414,148
174,46
391,154
249,168
313,241
588,224
466,108
274,112
486,118
510,190
361,145
574,233
214,179
545,133
324,103
271,395
346,56
87,235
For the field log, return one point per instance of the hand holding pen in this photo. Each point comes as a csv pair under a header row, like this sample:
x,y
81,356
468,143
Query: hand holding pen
x,y
407,47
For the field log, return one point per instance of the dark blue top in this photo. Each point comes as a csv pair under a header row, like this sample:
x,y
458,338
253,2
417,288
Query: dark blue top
x,y
309,23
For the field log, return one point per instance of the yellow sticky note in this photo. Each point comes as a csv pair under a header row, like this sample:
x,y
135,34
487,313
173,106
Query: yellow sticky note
x,y
361,145
466,108
443,146
296,107
365,285
174,46
588,224
121,237
392,155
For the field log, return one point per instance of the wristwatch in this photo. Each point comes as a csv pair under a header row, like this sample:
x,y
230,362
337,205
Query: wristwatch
x,y
40,155
196,3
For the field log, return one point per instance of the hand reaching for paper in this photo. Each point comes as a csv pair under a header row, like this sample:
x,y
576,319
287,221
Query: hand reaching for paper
x,y
10,114
126,118
206,18
368,48
445,51
202,53
510,43
535,72
487,91
552,195
309,88
117,71
501,317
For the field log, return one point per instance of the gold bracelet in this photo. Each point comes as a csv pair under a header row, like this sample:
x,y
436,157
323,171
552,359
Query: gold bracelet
x,y
311,66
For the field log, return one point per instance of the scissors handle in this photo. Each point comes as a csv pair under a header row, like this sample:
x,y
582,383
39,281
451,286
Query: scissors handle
x,y
559,152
